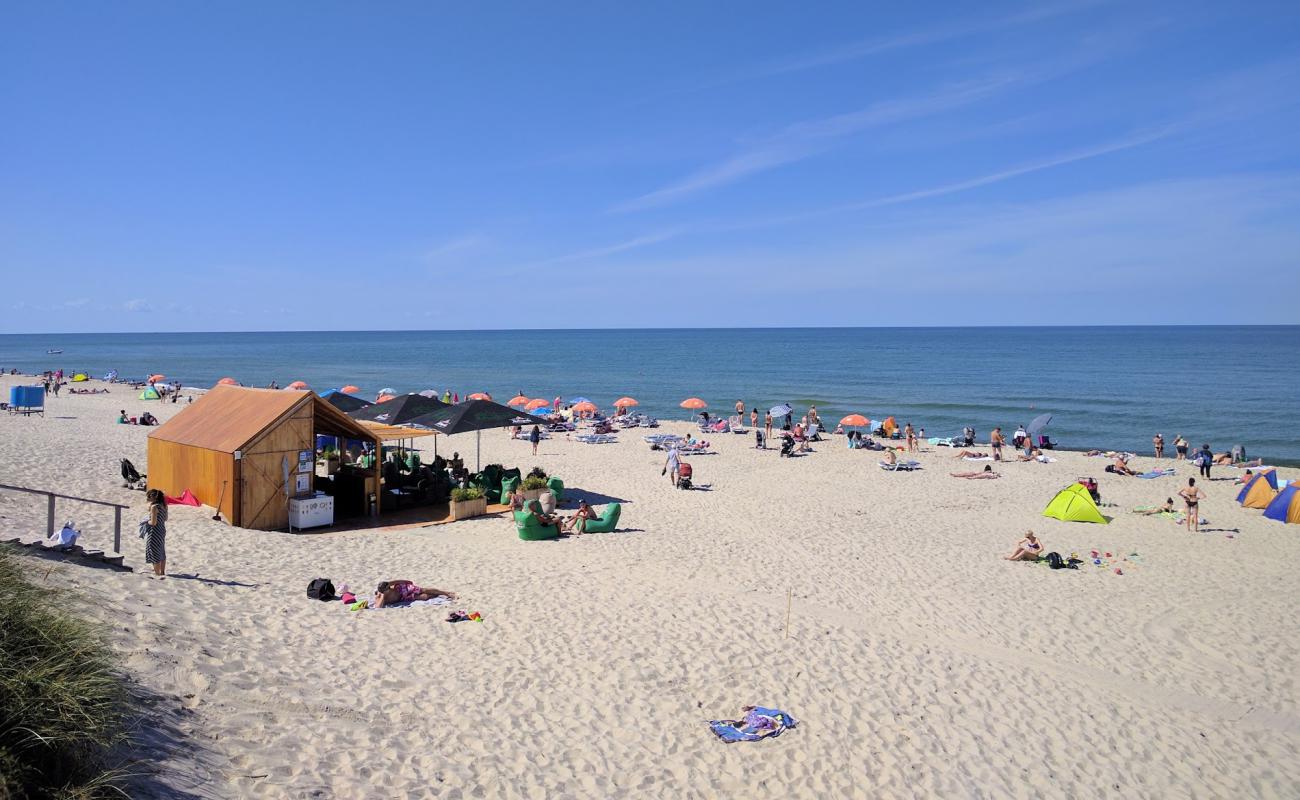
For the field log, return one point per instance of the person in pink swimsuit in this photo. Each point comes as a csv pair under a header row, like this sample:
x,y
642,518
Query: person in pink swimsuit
x,y
393,592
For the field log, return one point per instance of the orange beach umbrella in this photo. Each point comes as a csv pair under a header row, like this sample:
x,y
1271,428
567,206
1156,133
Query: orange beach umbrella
x,y
694,402
625,402
298,385
350,389
855,421
156,378
479,396
384,398
584,407
537,403
227,382
518,400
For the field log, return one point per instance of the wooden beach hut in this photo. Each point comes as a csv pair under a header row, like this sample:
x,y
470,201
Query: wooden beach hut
x,y
246,451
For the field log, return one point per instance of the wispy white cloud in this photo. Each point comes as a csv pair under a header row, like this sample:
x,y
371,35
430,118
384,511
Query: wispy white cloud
x,y
609,250
138,305
459,244
809,137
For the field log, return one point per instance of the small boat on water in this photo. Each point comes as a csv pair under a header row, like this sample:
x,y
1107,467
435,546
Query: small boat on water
x,y
53,352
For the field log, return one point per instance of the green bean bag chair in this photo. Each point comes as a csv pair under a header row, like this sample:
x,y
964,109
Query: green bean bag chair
x,y
607,521
507,486
530,530
556,486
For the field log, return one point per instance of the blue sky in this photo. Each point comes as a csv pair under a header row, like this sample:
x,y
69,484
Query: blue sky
x,y
265,166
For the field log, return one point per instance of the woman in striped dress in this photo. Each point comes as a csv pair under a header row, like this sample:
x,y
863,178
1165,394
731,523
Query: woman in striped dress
x,y
154,532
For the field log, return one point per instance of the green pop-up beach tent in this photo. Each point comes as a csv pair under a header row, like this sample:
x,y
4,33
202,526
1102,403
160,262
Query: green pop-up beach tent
x,y
149,393
1074,504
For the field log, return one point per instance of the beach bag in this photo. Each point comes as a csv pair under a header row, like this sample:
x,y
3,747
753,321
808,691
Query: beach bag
x,y
320,589
1055,561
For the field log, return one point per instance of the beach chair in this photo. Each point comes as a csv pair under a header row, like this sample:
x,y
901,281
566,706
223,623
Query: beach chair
x,y
597,438
530,530
556,487
607,521
901,466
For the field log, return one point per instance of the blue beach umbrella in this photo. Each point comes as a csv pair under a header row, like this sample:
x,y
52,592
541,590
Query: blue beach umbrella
x,y
573,401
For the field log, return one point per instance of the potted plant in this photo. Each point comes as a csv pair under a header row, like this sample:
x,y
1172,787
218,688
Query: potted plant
x,y
467,501
329,458
533,487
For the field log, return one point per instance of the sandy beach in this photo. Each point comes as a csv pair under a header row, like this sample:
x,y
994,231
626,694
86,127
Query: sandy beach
x,y
918,662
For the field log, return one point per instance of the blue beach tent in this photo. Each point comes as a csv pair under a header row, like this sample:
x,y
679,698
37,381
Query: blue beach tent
x,y
1286,506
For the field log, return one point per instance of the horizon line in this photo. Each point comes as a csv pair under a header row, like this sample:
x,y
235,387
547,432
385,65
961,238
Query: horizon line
x,y
671,328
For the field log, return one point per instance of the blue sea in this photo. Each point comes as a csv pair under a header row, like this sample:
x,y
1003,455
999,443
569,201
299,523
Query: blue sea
x,y
1105,387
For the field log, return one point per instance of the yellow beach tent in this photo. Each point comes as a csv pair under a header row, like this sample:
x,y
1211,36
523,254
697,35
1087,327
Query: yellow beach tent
x,y
1260,491
1074,504
79,377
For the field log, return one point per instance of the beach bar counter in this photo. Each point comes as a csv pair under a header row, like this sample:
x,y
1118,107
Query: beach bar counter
x,y
249,452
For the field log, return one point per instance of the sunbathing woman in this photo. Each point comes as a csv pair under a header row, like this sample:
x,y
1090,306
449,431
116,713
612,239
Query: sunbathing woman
x,y
393,592
1167,508
987,474
971,454
1027,549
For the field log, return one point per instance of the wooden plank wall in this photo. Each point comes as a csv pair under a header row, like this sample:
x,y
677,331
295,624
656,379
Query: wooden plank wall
x,y
263,498
173,468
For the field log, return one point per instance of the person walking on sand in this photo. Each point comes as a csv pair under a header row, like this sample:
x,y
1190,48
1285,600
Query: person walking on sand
x,y
535,436
672,465
753,418
1204,460
767,425
911,437
740,412
997,440
1180,448
1159,443
154,532
1192,495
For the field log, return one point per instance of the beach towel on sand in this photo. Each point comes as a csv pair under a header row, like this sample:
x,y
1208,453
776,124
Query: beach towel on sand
x,y
758,723
187,498
1159,473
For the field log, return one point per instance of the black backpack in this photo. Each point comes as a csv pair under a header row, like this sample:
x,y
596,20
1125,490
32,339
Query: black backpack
x,y
1055,561
320,589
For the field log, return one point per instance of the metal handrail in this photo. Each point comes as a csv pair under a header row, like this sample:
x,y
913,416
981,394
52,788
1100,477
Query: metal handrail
x,y
51,496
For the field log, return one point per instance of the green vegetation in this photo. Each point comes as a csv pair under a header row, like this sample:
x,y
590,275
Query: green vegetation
x,y
62,698
460,495
534,482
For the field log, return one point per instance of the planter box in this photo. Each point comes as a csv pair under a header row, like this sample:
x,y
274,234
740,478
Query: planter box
x,y
532,494
464,509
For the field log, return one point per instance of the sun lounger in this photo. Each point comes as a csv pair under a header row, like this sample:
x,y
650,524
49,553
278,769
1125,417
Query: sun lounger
x,y
1159,473
901,466
597,438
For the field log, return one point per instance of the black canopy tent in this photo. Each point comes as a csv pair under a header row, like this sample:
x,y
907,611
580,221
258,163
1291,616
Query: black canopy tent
x,y
398,411
477,416
346,402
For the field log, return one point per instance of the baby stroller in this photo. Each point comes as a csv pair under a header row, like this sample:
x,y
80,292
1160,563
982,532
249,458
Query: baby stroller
x,y
787,446
131,477
684,473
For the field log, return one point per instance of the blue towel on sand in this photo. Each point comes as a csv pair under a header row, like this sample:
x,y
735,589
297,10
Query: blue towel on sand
x,y
759,723
1160,473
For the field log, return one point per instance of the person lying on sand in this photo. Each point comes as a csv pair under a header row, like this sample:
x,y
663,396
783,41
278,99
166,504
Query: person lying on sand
x,y
1030,454
971,454
987,474
1027,549
1167,508
393,592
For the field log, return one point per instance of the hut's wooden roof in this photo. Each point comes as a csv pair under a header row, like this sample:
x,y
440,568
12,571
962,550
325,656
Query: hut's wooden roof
x,y
228,418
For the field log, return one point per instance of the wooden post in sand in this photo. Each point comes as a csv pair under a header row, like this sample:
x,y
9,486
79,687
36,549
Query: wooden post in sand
x,y
789,593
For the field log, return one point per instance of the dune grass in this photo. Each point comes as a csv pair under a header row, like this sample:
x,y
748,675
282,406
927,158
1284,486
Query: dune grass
x,y
62,695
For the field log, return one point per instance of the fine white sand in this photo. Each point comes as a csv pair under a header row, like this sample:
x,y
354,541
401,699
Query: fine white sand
x,y
918,662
